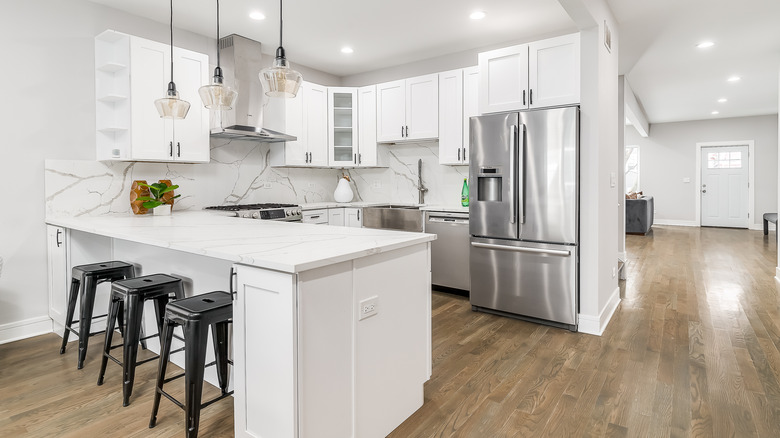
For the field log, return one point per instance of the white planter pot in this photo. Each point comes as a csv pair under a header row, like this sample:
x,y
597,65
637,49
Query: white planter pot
x,y
163,210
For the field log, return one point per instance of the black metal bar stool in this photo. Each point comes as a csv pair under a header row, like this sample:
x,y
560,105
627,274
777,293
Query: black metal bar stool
x,y
195,315
131,294
85,278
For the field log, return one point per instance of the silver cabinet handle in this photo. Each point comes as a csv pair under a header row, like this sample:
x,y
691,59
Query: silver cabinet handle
x,y
355,158
523,97
531,96
402,131
407,131
59,243
233,290
556,252
170,149
464,154
704,191
358,214
360,160
178,149
458,154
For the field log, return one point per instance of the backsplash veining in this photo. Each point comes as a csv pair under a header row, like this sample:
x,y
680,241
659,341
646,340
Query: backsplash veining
x,y
239,173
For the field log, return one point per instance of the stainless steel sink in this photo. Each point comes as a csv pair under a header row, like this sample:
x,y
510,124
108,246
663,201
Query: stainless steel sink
x,y
394,217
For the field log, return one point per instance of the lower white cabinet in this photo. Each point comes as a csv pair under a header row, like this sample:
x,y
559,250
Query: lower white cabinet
x,y
336,217
57,264
353,217
319,216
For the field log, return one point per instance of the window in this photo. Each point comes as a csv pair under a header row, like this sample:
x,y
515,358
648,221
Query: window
x,y
632,169
724,160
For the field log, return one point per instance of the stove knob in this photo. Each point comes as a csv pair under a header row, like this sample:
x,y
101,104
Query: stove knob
x,y
298,212
256,215
246,215
288,213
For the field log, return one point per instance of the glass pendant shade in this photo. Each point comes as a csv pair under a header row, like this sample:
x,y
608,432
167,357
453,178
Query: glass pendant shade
x,y
170,106
280,80
217,96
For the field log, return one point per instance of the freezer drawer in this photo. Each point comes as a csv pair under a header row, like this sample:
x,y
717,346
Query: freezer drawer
x,y
534,280
450,250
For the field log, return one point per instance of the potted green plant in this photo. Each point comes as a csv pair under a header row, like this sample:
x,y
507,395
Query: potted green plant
x,y
158,197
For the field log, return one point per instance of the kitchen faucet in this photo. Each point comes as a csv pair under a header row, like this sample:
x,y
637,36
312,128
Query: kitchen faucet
x,y
420,188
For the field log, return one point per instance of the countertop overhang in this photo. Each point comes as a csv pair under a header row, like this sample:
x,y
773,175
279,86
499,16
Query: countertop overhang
x,y
280,246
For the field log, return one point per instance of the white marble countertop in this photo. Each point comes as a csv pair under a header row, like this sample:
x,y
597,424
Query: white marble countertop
x,y
447,208
280,246
424,207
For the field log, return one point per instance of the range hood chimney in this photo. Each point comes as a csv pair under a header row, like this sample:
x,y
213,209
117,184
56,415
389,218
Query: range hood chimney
x,y
241,63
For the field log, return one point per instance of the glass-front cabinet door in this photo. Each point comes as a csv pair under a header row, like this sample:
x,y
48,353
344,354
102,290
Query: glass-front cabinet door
x,y
342,129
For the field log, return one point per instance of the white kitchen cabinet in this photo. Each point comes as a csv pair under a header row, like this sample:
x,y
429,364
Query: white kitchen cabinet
x,y
306,117
458,90
59,281
367,146
319,216
342,126
536,75
353,217
408,109
130,74
336,217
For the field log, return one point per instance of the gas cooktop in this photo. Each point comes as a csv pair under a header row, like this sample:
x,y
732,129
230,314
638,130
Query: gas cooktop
x,y
264,211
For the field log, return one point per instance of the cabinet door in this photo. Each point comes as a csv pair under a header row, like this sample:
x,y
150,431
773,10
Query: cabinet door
x,y
451,117
422,107
503,79
390,111
293,153
342,126
367,126
265,351
353,217
316,110
191,134
470,107
336,217
57,263
319,217
151,136
554,71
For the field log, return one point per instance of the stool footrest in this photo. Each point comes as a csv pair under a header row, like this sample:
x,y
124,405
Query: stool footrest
x,y
202,405
227,394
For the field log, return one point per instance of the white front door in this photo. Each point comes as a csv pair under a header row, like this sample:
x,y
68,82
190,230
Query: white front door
x,y
724,188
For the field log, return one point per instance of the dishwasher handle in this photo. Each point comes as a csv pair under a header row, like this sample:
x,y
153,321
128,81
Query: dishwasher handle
x,y
448,220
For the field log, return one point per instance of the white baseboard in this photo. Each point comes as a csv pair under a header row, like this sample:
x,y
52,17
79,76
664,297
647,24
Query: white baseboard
x,y
675,222
24,329
595,325
760,227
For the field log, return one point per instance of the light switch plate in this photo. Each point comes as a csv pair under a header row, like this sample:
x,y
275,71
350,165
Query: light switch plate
x,y
612,179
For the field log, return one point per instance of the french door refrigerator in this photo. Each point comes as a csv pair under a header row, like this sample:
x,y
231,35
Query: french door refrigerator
x,y
524,215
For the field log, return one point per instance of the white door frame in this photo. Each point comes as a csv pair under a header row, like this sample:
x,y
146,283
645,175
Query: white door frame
x,y
751,176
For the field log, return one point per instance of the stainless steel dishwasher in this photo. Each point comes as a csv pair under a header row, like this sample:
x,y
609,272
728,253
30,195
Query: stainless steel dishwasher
x,y
450,251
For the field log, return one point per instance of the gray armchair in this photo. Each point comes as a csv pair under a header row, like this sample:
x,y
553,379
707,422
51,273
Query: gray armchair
x,y
639,215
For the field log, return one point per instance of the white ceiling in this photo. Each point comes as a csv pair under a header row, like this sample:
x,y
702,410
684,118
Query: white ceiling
x,y
672,79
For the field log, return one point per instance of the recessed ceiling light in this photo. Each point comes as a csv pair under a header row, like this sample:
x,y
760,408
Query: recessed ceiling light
x,y
715,113
705,44
478,15
722,99
734,79
346,50
257,16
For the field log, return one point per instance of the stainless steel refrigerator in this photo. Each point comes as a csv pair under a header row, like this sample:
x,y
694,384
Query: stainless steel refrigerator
x,y
524,216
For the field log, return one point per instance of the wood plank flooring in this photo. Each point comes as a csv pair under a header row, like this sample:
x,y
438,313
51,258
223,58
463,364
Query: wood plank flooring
x,y
692,351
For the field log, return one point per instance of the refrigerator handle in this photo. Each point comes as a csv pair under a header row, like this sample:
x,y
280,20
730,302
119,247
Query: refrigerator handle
x,y
555,252
521,174
512,171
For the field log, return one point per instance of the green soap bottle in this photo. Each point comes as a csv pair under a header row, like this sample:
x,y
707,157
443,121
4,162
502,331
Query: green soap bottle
x,y
464,194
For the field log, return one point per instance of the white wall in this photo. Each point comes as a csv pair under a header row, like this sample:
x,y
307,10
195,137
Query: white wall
x,y
669,154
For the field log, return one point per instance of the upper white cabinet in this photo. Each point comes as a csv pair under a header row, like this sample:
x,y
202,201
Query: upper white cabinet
x,y
367,155
458,90
306,117
408,109
342,126
130,74
536,75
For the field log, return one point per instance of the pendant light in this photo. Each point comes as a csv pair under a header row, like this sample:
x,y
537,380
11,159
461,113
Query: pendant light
x,y
170,106
217,96
280,80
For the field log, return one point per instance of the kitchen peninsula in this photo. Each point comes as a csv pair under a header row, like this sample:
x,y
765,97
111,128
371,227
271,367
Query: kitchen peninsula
x,y
331,332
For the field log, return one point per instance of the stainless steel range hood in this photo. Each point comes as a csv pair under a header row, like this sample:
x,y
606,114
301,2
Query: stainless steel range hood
x,y
240,59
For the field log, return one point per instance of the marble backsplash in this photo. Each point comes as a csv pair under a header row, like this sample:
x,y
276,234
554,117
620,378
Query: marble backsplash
x,y
239,173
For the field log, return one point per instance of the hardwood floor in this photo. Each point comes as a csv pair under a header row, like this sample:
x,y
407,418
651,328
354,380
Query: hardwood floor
x,y
693,350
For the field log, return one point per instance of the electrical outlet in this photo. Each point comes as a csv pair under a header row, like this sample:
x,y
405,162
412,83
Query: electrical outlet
x,y
312,185
267,185
368,307
377,184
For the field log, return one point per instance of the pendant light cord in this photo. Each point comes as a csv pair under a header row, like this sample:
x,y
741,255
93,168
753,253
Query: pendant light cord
x,y
217,33
171,41
280,23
